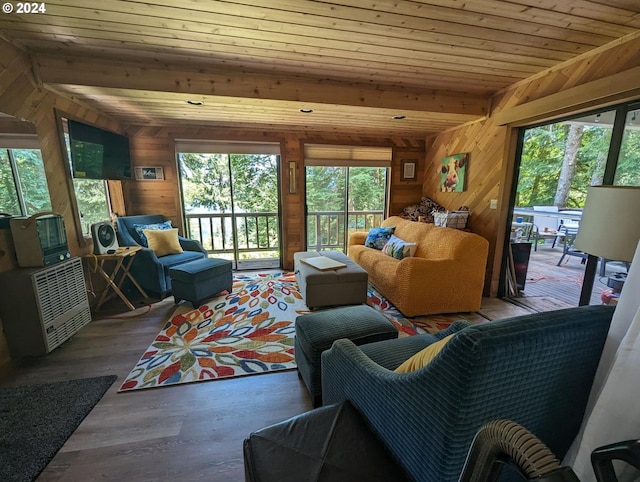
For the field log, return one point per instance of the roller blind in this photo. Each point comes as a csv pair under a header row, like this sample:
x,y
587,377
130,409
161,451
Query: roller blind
x,y
224,147
339,155
19,141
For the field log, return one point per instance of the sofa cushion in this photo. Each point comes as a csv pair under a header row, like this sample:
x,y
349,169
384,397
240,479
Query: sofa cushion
x,y
378,237
398,248
139,228
163,241
423,357
171,260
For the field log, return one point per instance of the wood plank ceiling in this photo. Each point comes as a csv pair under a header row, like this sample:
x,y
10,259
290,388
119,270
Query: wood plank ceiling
x,y
355,63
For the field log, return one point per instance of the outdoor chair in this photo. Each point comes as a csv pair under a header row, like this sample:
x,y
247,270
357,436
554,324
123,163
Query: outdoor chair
x,y
570,233
536,370
546,227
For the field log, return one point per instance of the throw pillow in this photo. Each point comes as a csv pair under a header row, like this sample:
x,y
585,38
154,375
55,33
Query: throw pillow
x,y
399,249
158,227
378,237
423,357
163,241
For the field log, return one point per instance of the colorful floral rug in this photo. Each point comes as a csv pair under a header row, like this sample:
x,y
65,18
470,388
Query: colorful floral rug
x,y
419,324
246,332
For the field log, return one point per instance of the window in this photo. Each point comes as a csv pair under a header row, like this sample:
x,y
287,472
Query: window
x,y
92,195
23,184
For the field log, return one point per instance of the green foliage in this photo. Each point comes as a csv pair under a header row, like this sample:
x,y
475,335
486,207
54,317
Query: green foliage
x,y
208,181
92,201
542,157
32,179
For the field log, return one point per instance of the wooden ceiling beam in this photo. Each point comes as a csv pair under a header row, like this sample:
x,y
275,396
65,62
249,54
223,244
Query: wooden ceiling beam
x,y
97,73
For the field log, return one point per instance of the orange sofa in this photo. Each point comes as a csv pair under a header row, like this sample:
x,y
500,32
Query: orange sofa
x,y
446,275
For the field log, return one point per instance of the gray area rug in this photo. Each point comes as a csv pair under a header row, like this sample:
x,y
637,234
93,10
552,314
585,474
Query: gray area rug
x,y
36,421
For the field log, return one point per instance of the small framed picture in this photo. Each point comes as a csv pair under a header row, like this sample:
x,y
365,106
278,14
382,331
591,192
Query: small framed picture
x,y
408,170
145,173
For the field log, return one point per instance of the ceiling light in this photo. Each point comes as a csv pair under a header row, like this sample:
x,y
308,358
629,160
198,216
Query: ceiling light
x,y
399,117
195,102
306,111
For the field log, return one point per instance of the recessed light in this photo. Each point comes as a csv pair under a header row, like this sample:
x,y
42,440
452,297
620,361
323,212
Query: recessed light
x,y
399,117
195,102
306,111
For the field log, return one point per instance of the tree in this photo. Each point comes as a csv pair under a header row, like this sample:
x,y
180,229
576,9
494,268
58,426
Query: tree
x,y
569,166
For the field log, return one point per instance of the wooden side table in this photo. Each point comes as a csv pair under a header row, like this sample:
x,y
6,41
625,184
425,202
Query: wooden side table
x,y
122,259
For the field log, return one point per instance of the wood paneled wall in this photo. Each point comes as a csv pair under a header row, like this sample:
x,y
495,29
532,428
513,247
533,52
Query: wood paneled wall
x,y
492,146
153,146
22,97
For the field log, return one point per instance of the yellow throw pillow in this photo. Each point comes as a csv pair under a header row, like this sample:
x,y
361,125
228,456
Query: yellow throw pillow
x,y
423,357
163,241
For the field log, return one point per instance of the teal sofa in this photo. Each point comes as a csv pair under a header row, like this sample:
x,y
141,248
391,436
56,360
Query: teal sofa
x,y
536,370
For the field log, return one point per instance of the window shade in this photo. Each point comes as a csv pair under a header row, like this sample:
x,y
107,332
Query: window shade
x,y
19,141
224,147
334,155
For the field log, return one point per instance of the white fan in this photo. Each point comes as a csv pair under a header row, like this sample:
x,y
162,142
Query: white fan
x,y
104,238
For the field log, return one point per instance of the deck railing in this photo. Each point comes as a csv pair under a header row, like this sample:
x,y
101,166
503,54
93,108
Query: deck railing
x,y
326,229
257,233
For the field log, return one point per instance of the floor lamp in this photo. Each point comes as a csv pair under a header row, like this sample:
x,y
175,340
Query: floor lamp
x,y
609,228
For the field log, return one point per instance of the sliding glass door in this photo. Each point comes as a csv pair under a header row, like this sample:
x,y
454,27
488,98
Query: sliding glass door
x,y
556,164
341,200
231,205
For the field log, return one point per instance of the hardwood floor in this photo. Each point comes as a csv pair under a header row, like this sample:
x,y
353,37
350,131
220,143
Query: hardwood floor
x,y
186,432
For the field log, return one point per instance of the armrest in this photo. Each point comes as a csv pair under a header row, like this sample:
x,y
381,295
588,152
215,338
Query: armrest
x,y
390,354
191,245
147,256
357,237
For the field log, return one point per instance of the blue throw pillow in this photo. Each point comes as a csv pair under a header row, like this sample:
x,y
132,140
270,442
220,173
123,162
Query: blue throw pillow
x,y
378,237
159,227
399,249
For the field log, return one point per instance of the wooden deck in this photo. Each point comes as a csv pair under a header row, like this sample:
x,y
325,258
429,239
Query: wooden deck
x,y
549,286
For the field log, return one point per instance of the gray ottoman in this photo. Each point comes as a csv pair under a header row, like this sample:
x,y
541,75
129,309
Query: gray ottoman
x,y
199,280
316,332
333,287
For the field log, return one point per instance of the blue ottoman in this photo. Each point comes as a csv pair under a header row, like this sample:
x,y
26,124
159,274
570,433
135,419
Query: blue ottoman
x,y
317,331
199,280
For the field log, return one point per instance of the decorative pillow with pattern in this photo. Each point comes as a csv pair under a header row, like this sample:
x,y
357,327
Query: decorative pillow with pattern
x,y
399,249
427,206
412,212
158,227
378,237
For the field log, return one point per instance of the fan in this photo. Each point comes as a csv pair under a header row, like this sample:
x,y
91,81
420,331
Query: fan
x,y
104,238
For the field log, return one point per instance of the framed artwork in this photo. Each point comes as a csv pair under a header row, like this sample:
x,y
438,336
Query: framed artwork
x,y
145,173
408,170
453,173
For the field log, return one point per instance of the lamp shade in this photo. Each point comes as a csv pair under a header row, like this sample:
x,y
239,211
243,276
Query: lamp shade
x,y
610,224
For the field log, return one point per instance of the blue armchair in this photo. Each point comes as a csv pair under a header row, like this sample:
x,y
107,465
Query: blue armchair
x,y
151,271
536,370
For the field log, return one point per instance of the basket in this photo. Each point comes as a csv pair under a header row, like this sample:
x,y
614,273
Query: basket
x,y
451,219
